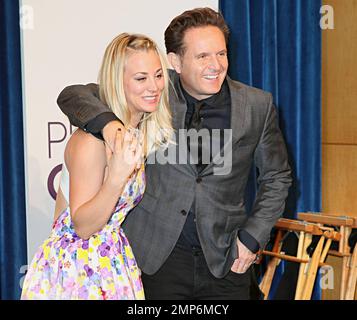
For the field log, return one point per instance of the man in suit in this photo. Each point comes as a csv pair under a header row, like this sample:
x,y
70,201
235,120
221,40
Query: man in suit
x,y
190,234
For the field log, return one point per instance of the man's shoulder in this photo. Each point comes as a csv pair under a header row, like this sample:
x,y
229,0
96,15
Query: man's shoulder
x,y
252,95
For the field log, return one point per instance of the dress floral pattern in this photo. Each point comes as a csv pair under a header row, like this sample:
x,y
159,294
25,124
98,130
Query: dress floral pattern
x,y
102,267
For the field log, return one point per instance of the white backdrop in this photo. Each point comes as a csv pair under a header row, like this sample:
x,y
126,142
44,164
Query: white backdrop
x,y
62,43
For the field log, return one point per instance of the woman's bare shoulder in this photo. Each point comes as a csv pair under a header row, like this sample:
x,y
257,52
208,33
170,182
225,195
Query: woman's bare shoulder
x,y
84,146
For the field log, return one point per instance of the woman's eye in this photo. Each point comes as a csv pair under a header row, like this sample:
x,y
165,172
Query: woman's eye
x,y
159,76
140,79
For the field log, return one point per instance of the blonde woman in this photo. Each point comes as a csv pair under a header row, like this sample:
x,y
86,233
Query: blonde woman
x,y
87,255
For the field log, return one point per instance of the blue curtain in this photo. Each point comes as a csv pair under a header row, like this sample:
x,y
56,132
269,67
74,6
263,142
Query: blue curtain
x,y
13,249
275,45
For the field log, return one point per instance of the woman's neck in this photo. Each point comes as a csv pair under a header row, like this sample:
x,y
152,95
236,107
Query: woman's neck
x,y
135,119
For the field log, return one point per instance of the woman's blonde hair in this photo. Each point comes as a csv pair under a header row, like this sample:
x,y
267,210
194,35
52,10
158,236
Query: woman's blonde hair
x,y
156,127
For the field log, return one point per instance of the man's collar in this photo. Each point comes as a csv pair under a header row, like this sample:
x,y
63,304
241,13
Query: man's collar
x,y
213,100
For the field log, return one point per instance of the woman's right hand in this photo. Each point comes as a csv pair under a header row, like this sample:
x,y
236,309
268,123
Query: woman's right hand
x,y
125,157
110,130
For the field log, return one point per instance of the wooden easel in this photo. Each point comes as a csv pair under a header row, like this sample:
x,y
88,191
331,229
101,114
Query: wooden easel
x,y
308,272
308,267
345,225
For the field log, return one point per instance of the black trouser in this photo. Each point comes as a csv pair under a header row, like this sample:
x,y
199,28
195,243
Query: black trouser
x,y
185,275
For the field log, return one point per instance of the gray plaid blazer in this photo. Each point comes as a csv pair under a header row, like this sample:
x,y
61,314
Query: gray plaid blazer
x,y
154,225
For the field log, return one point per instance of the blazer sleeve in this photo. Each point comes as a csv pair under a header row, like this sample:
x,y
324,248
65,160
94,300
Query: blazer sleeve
x,y
81,104
274,179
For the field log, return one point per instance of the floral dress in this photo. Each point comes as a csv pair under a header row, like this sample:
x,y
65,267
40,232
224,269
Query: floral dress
x,y
102,267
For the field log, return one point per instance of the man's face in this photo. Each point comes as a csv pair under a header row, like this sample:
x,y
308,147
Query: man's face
x,y
203,66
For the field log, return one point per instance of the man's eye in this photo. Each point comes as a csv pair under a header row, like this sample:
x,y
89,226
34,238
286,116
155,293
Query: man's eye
x,y
202,56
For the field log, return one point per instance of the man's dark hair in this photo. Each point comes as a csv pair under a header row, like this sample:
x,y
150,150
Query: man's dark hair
x,y
199,17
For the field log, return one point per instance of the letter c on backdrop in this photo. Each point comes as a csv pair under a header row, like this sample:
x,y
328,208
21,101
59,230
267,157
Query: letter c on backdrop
x,y
51,180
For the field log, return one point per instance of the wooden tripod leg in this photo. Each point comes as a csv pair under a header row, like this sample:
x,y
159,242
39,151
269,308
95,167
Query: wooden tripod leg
x,y
300,245
302,271
344,277
312,271
345,260
341,246
326,249
352,279
269,273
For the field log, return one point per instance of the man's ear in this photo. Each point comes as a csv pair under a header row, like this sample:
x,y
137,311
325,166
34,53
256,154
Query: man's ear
x,y
175,61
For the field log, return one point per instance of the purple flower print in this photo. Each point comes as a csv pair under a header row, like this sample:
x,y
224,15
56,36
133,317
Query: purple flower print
x,y
75,236
111,240
96,279
104,249
85,244
137,200
131,191
37,288
105,273
69,283
64,243
83,293
88,270
118,246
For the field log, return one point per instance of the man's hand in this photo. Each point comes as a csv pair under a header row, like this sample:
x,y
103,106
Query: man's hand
x,y
110,133
244,260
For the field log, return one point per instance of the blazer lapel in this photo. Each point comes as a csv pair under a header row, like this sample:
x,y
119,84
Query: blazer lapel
x,y
238,109
179,109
